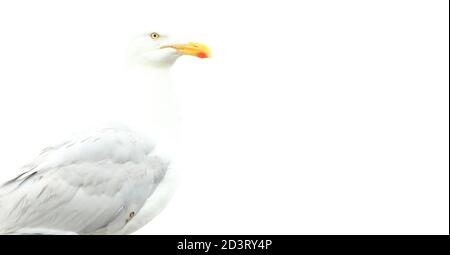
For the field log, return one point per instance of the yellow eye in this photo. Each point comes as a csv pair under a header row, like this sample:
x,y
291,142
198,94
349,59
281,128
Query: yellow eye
x,y
154,35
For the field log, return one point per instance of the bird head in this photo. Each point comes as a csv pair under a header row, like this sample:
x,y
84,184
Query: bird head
x,y
161,50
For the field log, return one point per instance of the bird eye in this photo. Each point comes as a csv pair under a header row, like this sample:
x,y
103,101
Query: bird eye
x,y
154,35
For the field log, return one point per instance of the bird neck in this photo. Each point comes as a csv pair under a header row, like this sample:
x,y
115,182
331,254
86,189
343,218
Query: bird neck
x,y
154,109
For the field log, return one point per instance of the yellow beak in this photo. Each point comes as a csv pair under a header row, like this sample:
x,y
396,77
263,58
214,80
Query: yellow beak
x,y
191,48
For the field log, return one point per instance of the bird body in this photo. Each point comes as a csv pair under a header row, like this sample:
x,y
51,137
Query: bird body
x,y
94,183
112,179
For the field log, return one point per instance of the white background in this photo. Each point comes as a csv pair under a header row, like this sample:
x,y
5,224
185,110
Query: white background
x,y
312,117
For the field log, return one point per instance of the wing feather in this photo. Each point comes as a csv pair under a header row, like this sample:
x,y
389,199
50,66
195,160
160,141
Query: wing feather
x,y
89,184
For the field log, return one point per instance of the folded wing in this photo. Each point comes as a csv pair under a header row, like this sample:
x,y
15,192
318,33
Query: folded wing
x,y
93,183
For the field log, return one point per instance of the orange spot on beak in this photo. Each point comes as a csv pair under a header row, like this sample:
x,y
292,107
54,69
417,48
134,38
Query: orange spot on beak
x,y
202,54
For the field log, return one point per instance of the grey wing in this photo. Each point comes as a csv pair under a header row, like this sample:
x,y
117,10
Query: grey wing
x,y
92,184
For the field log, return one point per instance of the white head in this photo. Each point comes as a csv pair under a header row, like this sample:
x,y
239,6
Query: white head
x,y
160,50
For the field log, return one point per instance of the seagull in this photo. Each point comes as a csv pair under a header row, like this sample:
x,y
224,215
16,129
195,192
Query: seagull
x,y
115,178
